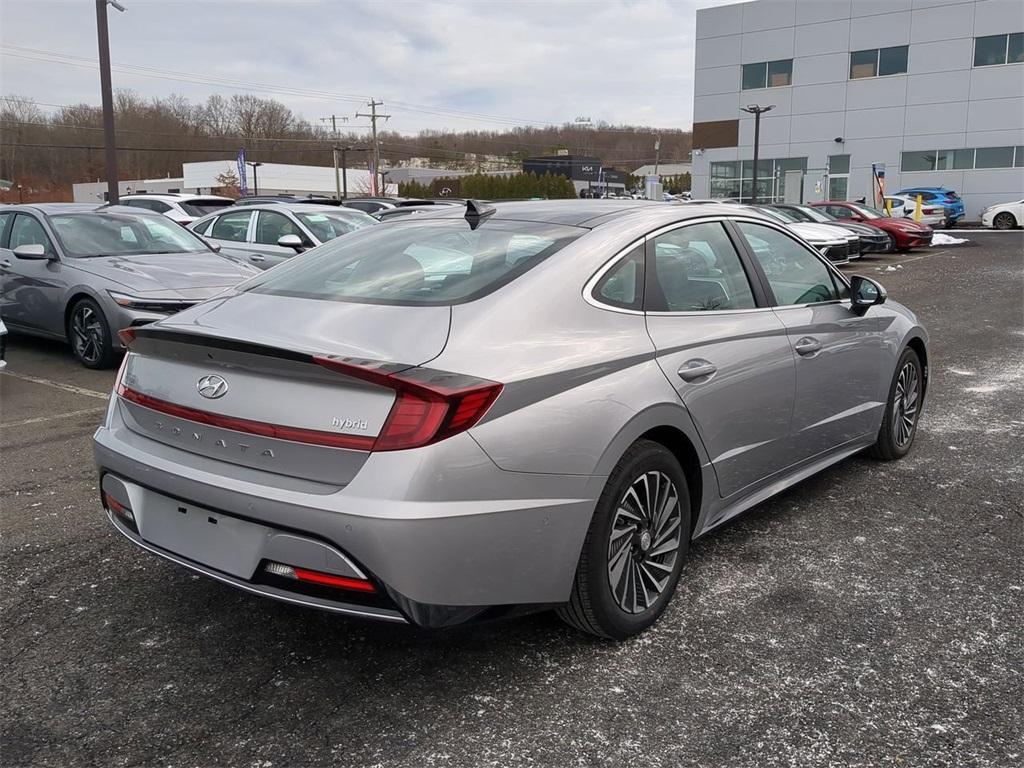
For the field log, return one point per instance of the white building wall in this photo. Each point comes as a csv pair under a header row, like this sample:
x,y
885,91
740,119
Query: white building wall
x,y
942,102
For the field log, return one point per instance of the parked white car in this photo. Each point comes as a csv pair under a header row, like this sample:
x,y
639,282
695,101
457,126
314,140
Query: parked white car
x,y
179,206
3,345
1004,215
903,207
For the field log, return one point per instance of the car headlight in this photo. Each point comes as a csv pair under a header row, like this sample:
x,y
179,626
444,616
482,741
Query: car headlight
x,y
144,304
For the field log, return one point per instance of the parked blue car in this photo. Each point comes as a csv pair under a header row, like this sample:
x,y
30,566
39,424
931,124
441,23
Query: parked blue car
x,y
947,198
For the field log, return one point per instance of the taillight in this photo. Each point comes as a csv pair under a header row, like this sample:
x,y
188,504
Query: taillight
x,y
121,510
429,405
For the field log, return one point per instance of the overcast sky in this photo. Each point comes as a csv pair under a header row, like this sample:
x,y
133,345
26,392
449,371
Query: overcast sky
x,y
549,61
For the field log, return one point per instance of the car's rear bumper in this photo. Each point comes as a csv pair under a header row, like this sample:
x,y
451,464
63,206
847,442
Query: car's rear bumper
x,y
435,560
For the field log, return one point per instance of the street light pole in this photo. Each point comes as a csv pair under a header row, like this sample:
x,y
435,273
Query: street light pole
x,y
755,110
255,181
108,97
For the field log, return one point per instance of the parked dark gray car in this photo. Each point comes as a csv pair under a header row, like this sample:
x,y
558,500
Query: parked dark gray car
x,y
80,273
450,417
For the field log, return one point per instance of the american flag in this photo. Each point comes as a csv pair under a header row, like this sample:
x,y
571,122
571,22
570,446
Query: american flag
x,y
373,180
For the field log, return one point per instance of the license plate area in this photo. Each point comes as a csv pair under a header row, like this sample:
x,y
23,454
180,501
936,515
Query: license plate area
x,y
212,539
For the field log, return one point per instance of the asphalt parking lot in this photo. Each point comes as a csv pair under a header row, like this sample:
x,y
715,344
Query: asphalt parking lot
x,y
869,617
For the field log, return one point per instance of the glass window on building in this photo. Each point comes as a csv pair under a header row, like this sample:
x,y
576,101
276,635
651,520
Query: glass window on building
x,y
963,159
993,157
1018,161
755,75
892,61
837,187
863,64
1015,48
918,161
780,73
838,164
990,50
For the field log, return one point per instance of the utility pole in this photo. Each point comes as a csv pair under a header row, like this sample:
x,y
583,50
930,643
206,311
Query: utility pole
x,y
334,135
755,110
657,152
108,97
373,104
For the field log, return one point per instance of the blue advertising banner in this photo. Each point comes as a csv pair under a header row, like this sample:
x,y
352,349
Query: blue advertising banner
x,y
243,184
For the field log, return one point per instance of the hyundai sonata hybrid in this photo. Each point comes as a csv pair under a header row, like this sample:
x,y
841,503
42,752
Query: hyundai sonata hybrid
x,y
496,409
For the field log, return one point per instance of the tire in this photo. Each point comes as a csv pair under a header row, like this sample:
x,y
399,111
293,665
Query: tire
x,y
89,335
613,554
899,425
1004,220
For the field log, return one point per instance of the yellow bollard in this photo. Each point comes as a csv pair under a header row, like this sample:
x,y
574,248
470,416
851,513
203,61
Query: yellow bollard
x,y
917,210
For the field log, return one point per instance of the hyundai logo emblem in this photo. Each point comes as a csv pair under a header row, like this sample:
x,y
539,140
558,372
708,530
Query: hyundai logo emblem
x,y
212,386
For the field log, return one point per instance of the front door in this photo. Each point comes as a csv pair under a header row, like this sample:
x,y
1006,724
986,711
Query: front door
x,y
837,352
271,226
726,352
33,289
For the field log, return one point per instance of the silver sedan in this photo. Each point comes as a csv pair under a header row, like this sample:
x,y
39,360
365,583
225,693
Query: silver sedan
x,y
538,404
271,233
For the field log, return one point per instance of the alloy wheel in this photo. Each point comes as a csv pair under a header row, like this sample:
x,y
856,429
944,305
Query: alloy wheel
x,y
1004,220
644,541
905,404
87,334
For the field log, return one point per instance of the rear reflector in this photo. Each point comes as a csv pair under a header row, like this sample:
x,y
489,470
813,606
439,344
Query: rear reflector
x,y
318,577
118,508
127,336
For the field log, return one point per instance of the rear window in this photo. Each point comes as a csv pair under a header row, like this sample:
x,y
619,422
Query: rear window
x,y
201,207
426,262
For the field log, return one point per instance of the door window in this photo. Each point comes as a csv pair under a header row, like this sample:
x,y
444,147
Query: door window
x,y
232,226
28,231
839,211
622,285
271,226
696,269
795,274
4,218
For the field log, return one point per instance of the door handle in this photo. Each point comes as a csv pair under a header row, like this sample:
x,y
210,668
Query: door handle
x,y
5,263
807,346
257,257
692,370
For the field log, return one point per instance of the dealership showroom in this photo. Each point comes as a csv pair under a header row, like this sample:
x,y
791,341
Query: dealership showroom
x,y
484,385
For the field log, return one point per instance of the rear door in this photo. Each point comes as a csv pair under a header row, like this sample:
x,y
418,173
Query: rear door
x,y
723,349
837,352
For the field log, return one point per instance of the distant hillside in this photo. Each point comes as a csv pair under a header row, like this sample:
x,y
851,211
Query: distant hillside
x,y
58,146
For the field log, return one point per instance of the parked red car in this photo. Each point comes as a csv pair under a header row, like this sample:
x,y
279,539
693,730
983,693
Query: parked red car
x,y
906,234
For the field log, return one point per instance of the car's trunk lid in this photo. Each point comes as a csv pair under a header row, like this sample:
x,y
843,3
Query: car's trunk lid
x,y
237,380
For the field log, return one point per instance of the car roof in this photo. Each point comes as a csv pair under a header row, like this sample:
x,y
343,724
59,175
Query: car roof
x,y
176,195
587,213
53,208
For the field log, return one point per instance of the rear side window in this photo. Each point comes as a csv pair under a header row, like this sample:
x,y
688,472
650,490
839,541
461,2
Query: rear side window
x,y
622,285
424,262
696,269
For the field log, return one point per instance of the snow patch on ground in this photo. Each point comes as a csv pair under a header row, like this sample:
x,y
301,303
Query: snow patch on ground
x,y
959,372
940,239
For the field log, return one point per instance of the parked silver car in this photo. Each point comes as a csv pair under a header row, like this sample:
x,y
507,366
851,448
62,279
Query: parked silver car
x,y
80,273
533,404
273,232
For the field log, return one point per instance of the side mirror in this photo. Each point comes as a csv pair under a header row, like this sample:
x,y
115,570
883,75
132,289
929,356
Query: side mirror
x,y
34,251
215,247
865,293
291,241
